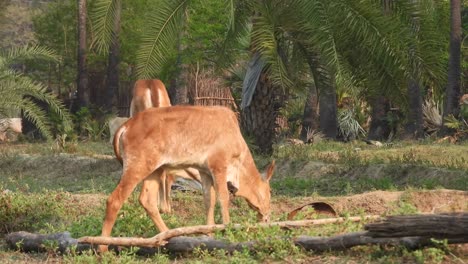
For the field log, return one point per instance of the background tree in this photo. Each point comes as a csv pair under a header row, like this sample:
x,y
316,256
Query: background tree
x,y
16,30
453,90
55,28
112,80
82,74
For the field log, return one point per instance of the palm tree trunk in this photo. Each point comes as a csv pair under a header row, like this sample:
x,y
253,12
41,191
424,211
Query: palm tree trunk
x,y
310,117
82,78
259,118
453,89
414,127
113,63
325,83
328,110
178,84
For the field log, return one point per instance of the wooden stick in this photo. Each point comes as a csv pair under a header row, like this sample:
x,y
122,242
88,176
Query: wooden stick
x,y
161,238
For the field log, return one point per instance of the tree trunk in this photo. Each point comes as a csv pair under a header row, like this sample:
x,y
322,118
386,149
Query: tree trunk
x,y
310,117
325,83
178,84
181,91
82,78
328,112
453,90
379,127
414,127
113,65
259,118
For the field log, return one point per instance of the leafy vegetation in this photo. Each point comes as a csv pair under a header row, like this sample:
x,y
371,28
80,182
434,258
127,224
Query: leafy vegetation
x,y
18,92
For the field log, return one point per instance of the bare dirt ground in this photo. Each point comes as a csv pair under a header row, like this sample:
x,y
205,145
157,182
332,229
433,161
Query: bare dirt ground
x,y
384,202
372,203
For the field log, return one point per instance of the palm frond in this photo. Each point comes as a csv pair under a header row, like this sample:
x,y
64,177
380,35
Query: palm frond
x,y
266,39
103,14
239,27
165,25
348,125
27,53
17,90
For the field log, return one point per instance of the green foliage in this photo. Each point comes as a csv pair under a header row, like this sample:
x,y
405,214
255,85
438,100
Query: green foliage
x,y
55,28
293,111
205,30
89,126
459,125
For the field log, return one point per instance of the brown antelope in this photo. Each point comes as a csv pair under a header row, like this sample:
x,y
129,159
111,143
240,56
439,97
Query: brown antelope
x,y
149,94
174,138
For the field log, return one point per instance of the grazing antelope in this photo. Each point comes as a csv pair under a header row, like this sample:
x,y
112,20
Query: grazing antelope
x,y
148,94
174,138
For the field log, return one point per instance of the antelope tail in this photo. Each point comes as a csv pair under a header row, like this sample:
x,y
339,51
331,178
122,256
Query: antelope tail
x,y
116,142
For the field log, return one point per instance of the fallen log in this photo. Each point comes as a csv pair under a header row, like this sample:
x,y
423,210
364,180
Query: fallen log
x,y
29,242
345,241
436,226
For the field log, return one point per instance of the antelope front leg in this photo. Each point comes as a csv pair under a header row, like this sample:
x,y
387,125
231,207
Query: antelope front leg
x,y
115,201
221,188
223,197
209,198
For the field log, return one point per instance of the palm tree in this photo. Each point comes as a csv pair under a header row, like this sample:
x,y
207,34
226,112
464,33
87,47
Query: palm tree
x,y
20,93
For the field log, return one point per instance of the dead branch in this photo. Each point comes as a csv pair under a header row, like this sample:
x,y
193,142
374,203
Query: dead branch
x,y
161,238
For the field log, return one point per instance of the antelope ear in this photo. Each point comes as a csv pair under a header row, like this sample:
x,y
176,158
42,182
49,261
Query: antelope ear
x,y
270,170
